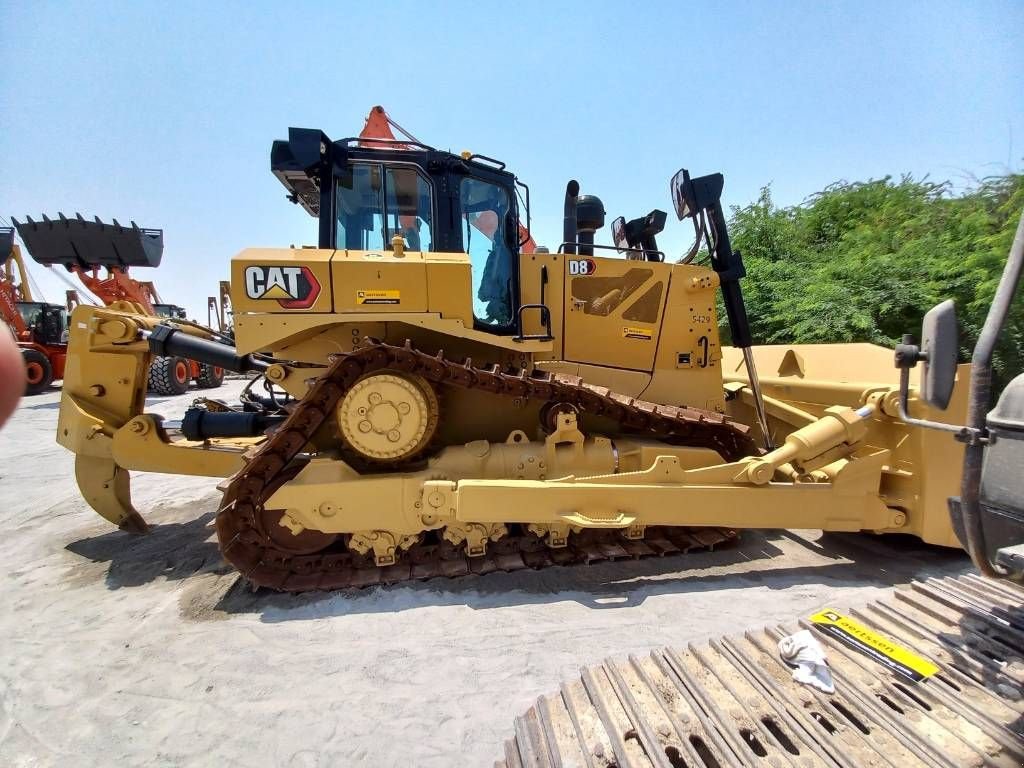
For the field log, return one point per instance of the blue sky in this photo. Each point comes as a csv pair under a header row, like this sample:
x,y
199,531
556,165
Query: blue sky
x,y
164,113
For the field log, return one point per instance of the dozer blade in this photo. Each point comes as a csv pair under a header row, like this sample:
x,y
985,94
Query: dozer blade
x,y
87,244
107,489
733,702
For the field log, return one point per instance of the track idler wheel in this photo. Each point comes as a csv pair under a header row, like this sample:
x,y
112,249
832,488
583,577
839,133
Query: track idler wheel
x,y
292,537
389,416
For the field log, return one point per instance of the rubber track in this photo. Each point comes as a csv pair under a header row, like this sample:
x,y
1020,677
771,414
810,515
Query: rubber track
x,y
248,547
732,702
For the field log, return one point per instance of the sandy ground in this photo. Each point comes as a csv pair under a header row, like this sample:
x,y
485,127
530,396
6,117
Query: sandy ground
x,y
128,651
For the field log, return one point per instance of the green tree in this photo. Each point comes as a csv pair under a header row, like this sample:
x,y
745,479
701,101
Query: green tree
x,y
863,261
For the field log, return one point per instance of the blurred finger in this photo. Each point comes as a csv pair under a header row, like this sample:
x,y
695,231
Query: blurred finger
x,y
12,375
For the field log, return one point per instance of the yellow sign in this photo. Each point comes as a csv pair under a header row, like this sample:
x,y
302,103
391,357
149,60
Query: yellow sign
x,y
632,332
879,647
377,296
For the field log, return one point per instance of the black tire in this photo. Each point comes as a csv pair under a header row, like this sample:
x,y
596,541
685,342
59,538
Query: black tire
x,y
38,371
168,376
210,376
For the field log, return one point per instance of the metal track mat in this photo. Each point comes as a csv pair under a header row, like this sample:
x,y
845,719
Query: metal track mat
x,y
732,701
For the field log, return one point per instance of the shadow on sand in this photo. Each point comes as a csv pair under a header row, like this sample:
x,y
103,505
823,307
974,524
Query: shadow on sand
x,y
772,559
171,551
41,406
847,560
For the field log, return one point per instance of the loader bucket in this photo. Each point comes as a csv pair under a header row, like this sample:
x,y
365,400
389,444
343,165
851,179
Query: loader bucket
x,y
6,241
88,244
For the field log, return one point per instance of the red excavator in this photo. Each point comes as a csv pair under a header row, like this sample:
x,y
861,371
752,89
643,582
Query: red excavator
x,y
100,255
39,328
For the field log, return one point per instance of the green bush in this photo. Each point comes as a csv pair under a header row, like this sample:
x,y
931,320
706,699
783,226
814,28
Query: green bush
x,y
864,261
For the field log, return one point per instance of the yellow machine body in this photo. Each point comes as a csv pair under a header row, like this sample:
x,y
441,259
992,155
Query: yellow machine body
x,y
477,389
648,330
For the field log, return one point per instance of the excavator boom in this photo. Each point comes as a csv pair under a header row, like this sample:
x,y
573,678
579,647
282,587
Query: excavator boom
x,y
39,328
14,283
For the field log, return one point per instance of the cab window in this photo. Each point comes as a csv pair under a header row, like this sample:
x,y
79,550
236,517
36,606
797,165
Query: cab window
x,y
30,312
485,208
408,208
374,203
360,206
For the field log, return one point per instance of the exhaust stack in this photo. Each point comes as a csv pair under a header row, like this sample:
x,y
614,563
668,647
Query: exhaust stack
x,y
572,191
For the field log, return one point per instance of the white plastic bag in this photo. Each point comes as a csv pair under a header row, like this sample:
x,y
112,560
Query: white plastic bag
x,y
805,652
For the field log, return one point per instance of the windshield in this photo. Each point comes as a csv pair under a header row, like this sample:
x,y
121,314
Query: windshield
x,y
48,322
30,311
485,207
169,310
374,203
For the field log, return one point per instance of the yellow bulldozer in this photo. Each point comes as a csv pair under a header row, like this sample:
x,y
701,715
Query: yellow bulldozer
x,y
445,398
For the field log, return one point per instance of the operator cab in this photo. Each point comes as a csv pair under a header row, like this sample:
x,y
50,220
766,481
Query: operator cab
x,y
172,311
365,192
48,323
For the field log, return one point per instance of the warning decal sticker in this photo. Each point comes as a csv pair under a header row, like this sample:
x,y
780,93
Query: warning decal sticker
x,y
631,332
378,296
878,647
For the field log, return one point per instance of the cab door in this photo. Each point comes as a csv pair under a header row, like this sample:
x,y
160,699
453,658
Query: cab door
x,y
613,310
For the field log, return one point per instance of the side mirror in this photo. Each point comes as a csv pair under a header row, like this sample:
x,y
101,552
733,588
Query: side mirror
x,y
691,196
940,344
682,194
619,234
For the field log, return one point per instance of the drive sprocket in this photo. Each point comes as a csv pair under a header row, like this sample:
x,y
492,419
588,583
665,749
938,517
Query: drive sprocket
x,y
388,416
